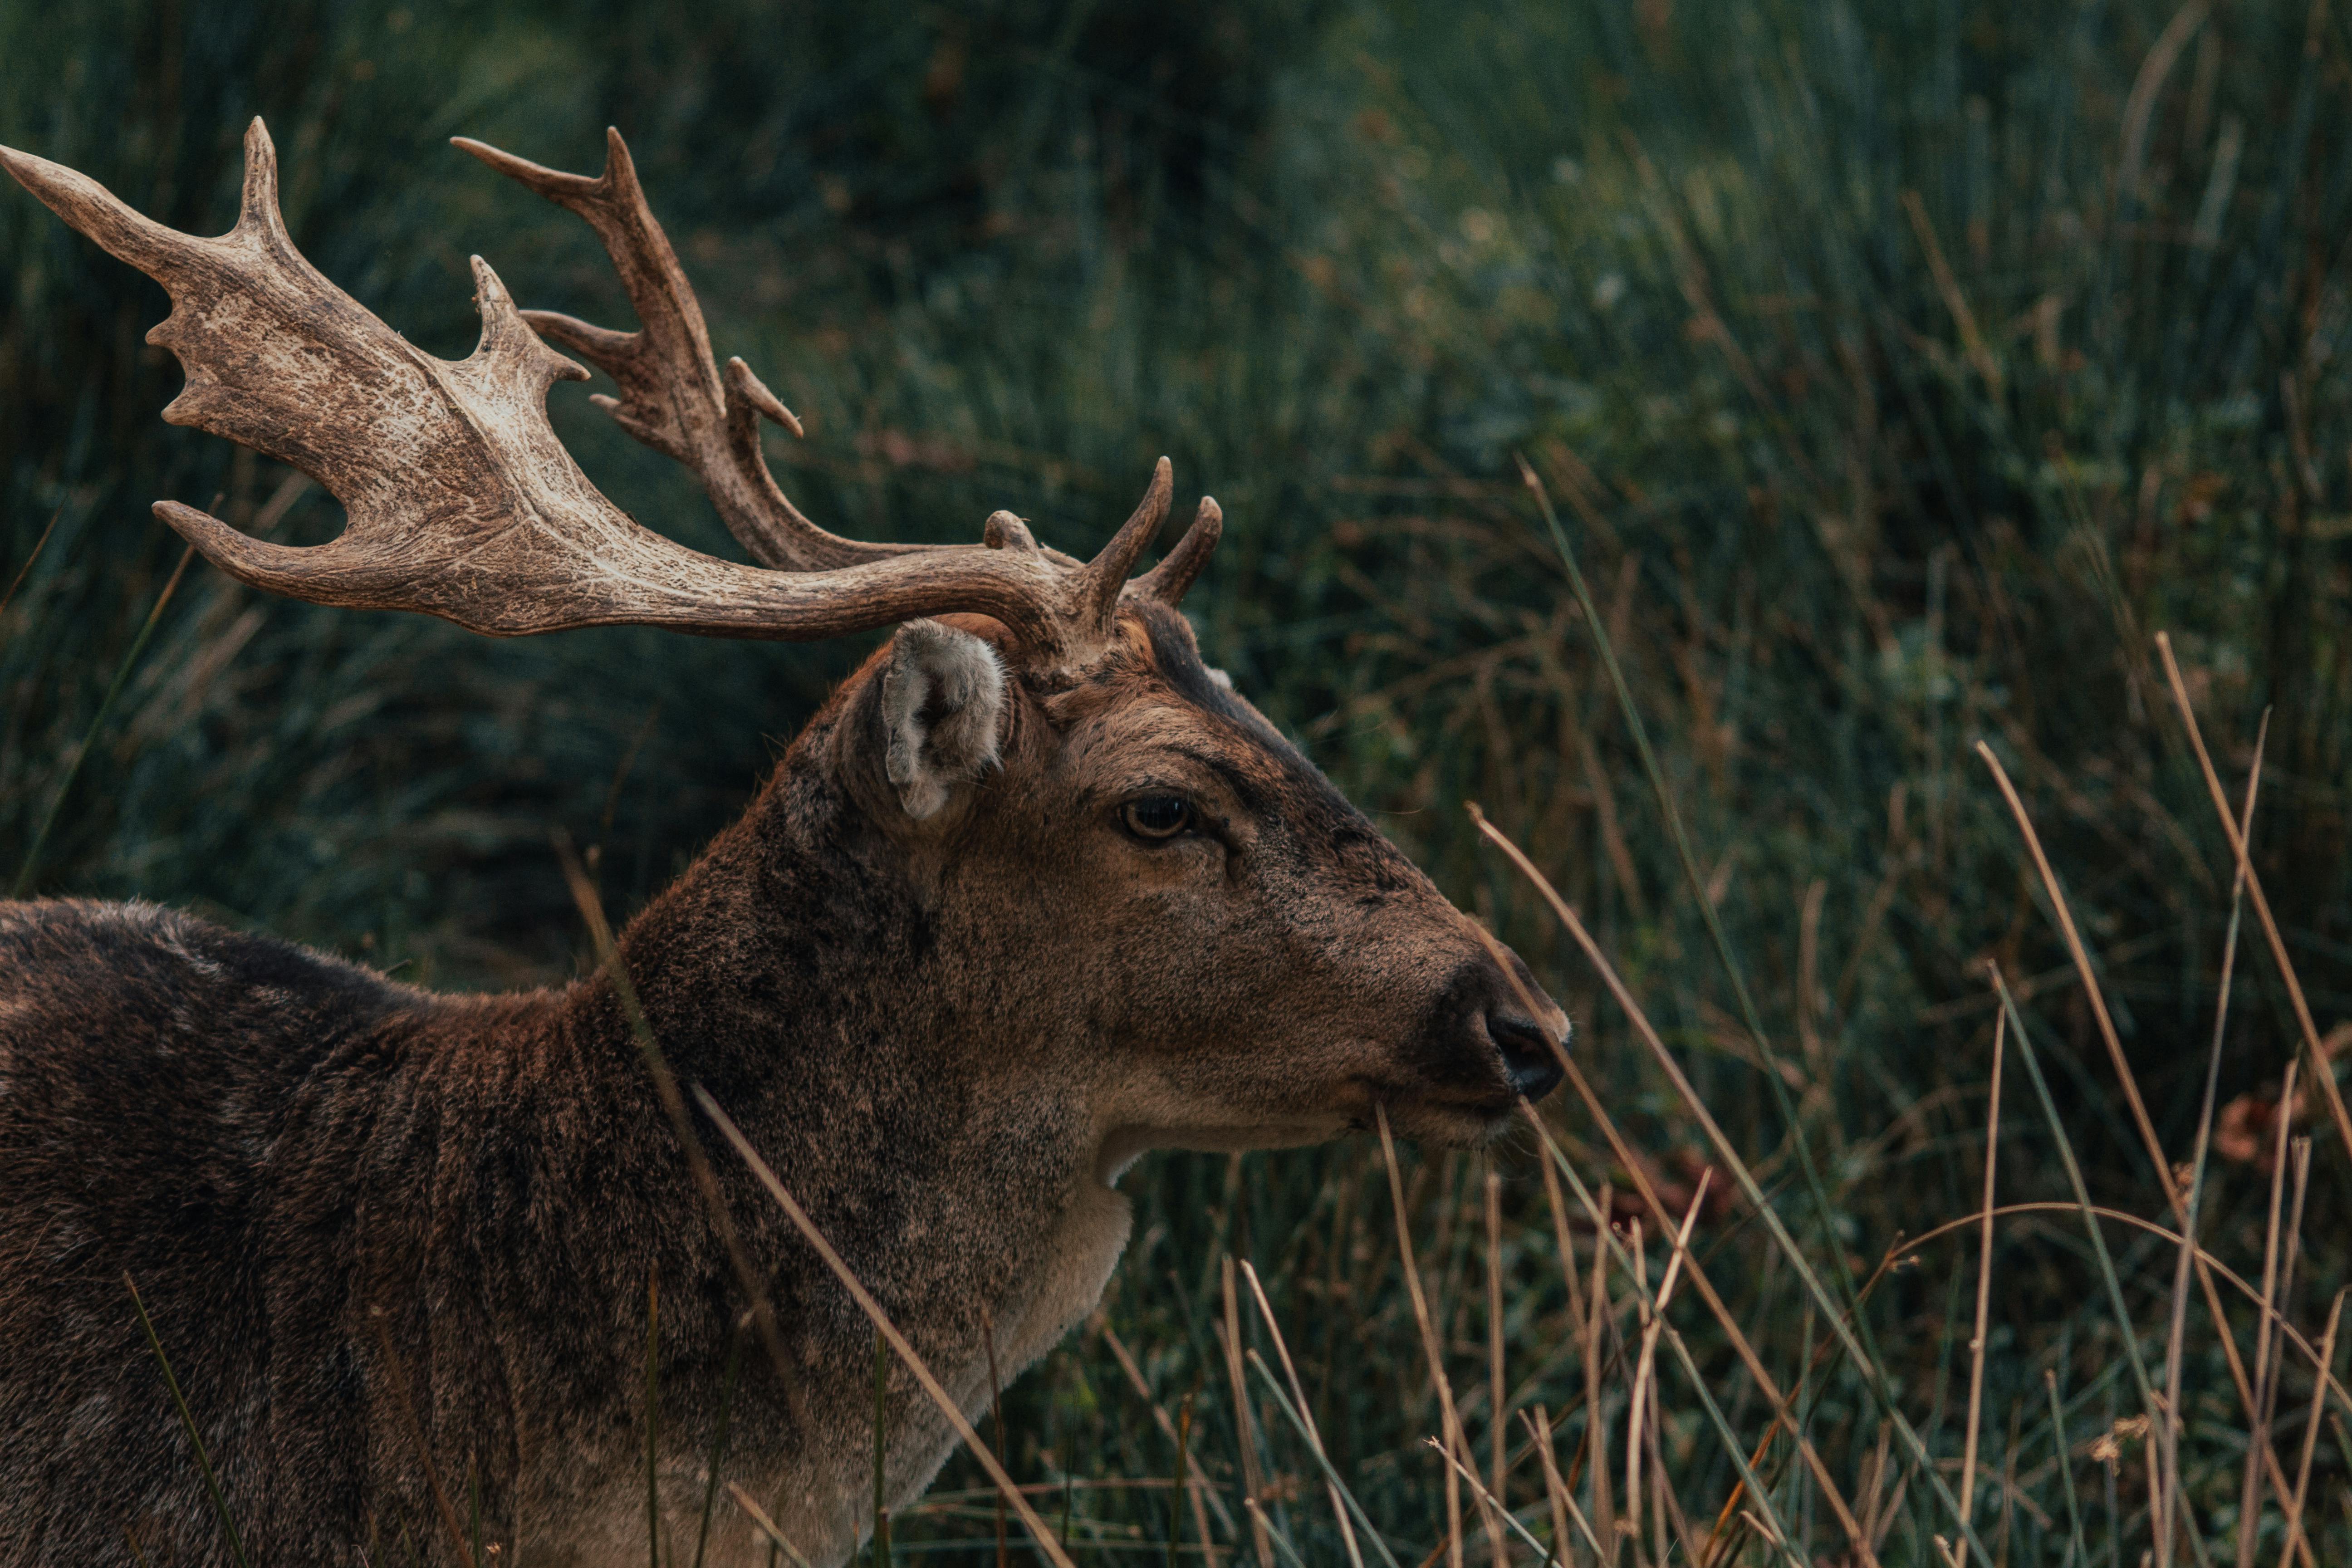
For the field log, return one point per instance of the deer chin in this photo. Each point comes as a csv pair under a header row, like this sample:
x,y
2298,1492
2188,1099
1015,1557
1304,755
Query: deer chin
x,y
1125,1144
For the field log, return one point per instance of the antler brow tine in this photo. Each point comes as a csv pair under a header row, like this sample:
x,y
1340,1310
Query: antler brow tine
x,y
1106,575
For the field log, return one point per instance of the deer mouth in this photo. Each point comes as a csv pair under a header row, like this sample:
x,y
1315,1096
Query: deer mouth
x,y
1470,1088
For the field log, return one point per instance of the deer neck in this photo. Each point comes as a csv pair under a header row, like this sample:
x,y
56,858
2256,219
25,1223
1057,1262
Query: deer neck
x,y
795,973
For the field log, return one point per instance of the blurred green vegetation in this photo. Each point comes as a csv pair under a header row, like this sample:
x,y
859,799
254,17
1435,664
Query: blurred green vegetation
x,y
1899,370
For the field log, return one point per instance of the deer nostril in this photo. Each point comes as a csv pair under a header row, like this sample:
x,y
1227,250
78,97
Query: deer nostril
x,y
1528,1054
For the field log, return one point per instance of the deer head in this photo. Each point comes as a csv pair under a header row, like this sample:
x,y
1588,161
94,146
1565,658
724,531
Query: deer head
x,y
1035,848
1085,797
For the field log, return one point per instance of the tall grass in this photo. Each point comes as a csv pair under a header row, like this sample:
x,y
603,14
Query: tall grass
x,y
1900,372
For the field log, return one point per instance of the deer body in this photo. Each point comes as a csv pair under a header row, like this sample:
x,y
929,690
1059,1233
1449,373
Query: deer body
x,y
1033,893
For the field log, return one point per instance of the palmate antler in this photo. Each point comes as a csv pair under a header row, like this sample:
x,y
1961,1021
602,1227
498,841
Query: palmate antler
x,y
462,502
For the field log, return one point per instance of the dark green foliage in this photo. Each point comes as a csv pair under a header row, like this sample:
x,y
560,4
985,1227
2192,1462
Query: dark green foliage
x,y
1900,371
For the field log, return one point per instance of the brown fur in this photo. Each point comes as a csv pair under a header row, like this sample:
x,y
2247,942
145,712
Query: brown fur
x,y
949,1035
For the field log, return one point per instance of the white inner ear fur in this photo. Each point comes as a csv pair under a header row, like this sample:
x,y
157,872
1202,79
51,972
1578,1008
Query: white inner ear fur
x,y
943,696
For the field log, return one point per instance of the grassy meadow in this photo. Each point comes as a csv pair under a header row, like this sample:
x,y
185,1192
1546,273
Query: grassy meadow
x,y
1886,377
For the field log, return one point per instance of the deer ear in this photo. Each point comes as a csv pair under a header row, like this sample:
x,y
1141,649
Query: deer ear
x,y
943,696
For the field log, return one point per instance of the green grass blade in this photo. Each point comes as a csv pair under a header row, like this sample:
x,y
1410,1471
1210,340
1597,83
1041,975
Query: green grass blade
x,y
1274,1533
188,1424
2149,1405
1604,1232
1307,1434
1864,1357
718,1442
653,1420
97,721
881,1543
9,597
1824,1211
2066,1475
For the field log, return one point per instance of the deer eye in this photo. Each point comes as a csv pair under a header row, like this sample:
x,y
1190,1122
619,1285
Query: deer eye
x,y
1157,816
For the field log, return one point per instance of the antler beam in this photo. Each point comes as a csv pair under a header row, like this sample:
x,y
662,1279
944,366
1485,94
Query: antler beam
x,y
462,502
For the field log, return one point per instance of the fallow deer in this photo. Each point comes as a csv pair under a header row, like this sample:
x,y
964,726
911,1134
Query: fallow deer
x,y
1034,892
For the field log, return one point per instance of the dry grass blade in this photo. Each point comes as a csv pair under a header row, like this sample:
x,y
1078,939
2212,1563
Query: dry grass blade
x,y
1783,1405
2177,1330
2247,1393
1654,1319
1330,1472
1914,1447
898,1343
2286,1331
1597,1313
1176,1503
1432,1346
1984,1274
1244,1427
1168,1426
1598,1210
2321,1071
1562,1240
765,1526
1875,1505
2311,1432
1669,1525
1722,1541
1972,343
2141,104
1306,1414
2074,948
1563,1502
2249,1486
1637,1391
407,1392
697,1163
1498,1426
2278,1288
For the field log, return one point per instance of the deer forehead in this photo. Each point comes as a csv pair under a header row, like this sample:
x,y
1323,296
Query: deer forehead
x,y
1152,714
1153,741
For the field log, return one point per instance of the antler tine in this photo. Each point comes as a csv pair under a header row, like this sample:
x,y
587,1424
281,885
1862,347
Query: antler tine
x,y
1169,581
1106,575
673,397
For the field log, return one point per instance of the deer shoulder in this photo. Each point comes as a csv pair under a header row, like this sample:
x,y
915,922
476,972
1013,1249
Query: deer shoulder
x,y
1035,893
